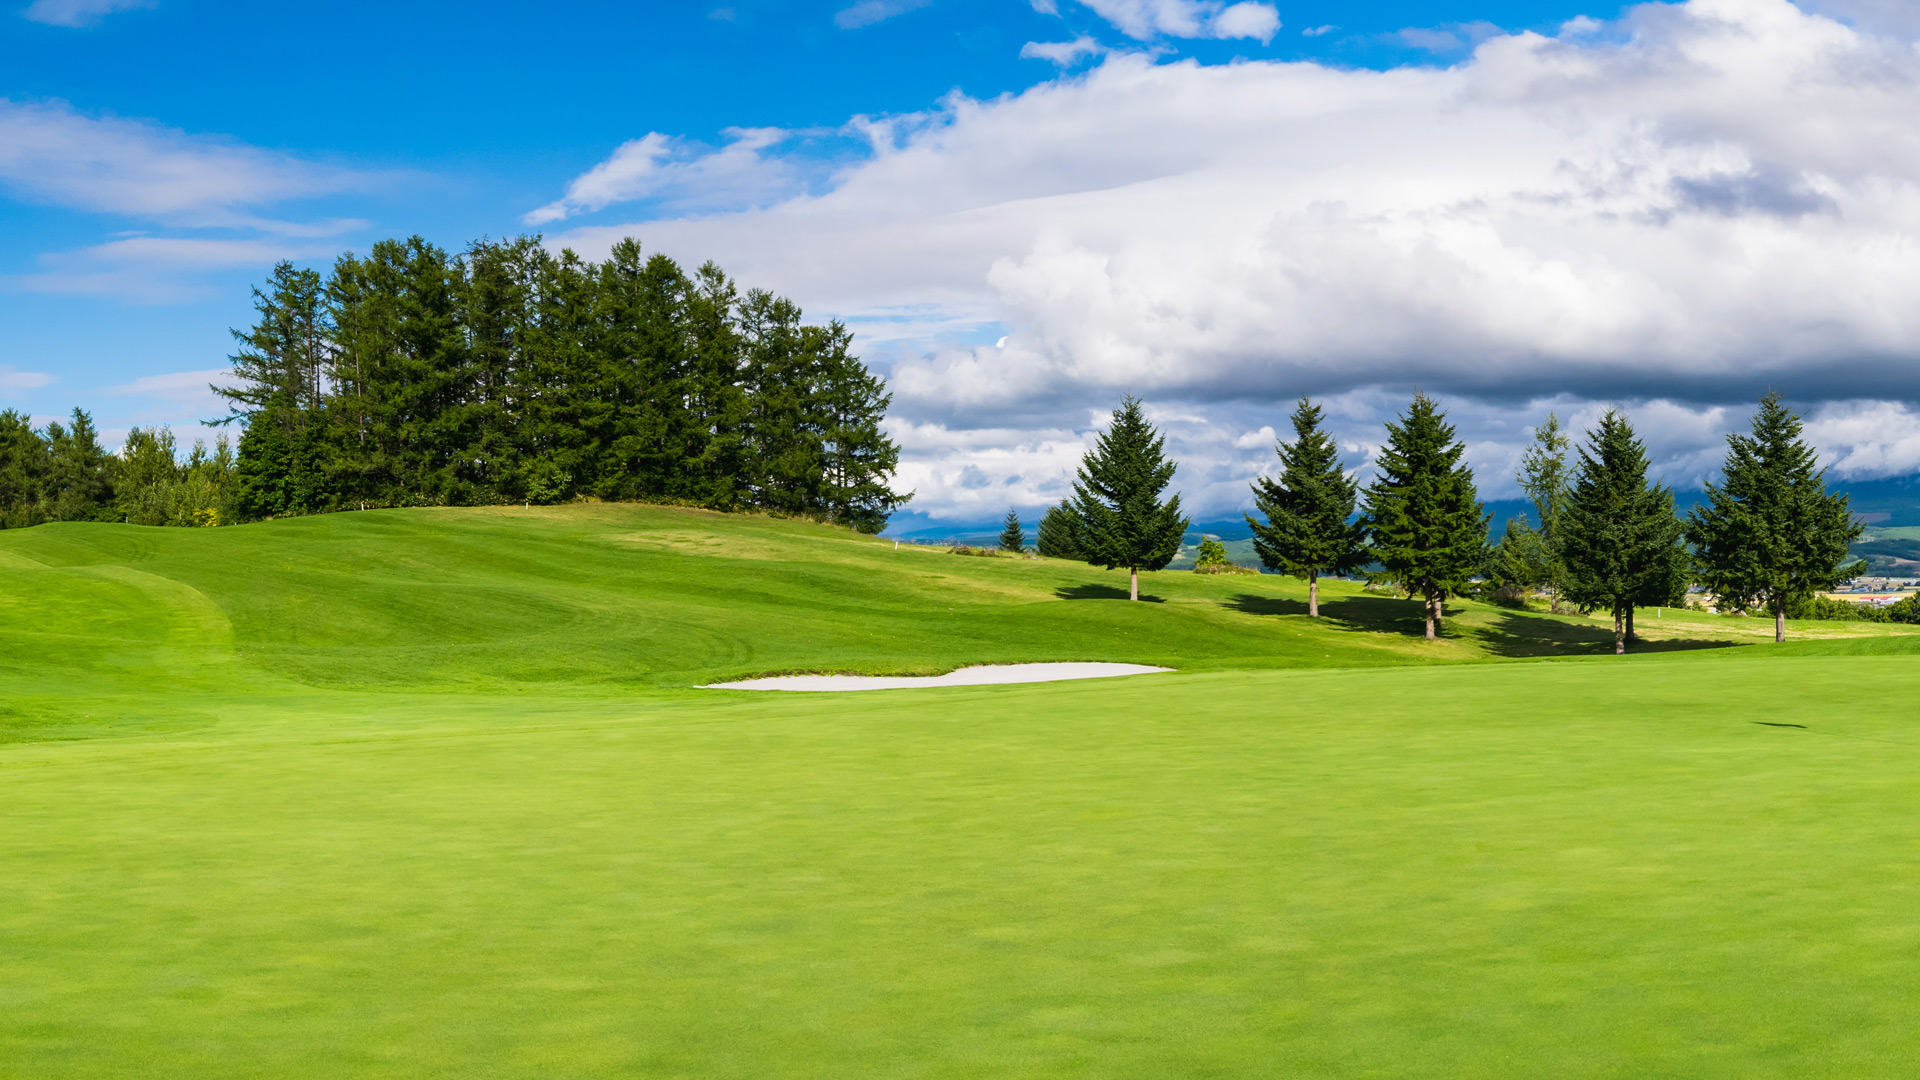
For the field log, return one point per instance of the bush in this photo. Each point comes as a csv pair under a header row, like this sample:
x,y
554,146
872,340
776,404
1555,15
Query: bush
x,y
1213,559
1826,607
1905,611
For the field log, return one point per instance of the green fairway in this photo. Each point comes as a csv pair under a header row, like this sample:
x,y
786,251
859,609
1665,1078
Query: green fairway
x,y
431,793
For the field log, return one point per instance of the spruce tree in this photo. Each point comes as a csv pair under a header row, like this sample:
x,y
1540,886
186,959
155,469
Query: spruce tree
x,y
1057,537
1422,514
1619,539
1307,532
1011,537
1116,499
1771,534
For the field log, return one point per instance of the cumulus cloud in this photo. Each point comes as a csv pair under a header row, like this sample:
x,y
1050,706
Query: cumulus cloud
x,y
1144,20
80,13
1682,209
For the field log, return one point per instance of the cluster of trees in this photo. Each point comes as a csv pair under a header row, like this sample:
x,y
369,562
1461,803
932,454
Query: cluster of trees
x,y
1769,538
62,473
412,376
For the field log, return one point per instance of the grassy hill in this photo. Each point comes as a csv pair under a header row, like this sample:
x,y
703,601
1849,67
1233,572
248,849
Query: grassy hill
x,y
420,793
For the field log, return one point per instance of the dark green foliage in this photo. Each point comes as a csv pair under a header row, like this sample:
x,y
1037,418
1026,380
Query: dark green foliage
x,y
1307,532
1012,537
1619,539
25,461
1422,515
79,477
510,374
1116,499
1519,563
1905,610
1771,535
1057,537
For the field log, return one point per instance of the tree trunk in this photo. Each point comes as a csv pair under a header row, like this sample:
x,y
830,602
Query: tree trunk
x,y
1313,594
1630,636
1133,592
1619,634
1779,623
1430,619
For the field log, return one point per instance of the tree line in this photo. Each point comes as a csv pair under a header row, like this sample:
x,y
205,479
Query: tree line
x,y
63,473
506,374
1769,538
412,376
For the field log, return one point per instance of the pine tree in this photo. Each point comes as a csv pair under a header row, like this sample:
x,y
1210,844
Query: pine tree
x,y
1619,539
1307,532
1057,537
1012,538
1543,476
25,460
1116,499
1771,535
1422,514
1517,564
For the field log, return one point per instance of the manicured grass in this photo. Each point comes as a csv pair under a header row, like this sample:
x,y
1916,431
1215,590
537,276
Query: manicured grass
x,y
429,794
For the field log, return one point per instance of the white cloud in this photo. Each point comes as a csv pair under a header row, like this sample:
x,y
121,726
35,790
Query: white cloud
x,y
1063,53
154,269
15,379
658,166
1144,20
1317,31
80,13
1867,438
868,12
1684,208
52,153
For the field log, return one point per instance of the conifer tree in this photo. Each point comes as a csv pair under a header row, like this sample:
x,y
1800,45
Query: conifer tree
x,y
1116,499
1543,476
1422,514
1771,535
1057,536
1619,539
1307,532
24,463
1012,538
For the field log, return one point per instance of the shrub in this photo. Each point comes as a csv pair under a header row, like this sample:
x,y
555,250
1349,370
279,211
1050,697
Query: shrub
x,y
1905,611
1826,607
1213,559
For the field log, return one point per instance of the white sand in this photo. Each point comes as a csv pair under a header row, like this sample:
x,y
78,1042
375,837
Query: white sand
x,y
984,675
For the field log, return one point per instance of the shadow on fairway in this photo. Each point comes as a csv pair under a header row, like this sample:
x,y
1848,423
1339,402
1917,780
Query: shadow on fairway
x,y
1375,614
1099,592
1514,634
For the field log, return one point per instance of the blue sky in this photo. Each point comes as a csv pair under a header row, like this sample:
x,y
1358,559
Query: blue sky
x,y
943,173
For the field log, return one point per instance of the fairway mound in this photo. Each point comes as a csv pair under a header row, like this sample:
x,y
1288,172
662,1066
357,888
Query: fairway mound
x,y
983,675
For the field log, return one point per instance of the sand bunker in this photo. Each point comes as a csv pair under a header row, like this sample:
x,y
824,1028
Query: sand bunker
x,y
984,675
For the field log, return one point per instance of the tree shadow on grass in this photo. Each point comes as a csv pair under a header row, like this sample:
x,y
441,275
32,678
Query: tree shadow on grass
x,y
1376,614
1515,634
1099,592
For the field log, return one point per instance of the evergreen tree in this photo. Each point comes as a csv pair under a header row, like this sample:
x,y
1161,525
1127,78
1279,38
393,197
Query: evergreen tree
x,y
79,478
1057,535
1011,537
1543,476
1619,539
1117,499
1422,514
1517,564
25,460
517,374
1771,535
1307,532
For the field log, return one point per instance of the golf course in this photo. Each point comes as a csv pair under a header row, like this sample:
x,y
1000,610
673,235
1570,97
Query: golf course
x,y
436,793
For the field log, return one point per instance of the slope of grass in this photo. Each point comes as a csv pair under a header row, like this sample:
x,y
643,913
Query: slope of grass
x,y
431,793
